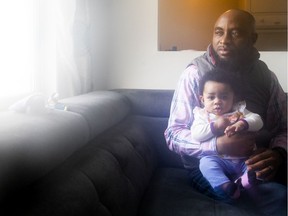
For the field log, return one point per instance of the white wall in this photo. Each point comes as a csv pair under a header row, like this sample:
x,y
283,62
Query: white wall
x,y
99,12
135,61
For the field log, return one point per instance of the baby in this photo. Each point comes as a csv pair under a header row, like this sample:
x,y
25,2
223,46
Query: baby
x,y
223,113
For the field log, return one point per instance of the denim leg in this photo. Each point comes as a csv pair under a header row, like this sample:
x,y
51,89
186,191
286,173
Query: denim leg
x,y
200,183
268,198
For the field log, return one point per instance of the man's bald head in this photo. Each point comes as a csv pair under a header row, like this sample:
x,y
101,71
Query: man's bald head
x,y
234,36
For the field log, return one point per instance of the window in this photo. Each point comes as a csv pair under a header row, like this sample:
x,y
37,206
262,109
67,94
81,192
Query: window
x,y
17,47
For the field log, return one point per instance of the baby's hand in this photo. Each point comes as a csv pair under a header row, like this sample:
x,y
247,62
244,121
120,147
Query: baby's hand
x,y
236,127
221,124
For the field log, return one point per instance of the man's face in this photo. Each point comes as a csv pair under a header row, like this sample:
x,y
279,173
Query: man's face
x,y
233,38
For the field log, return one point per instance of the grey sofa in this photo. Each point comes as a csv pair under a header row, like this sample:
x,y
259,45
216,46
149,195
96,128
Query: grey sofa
x,y
105,156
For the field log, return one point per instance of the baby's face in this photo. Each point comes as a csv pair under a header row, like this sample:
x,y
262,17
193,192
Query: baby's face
x,y
217,97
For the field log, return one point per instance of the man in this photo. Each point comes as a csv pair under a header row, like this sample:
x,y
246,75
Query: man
x,y
232,50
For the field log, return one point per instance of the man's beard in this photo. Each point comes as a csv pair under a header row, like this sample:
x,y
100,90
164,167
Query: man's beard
x,y
239,61
228,64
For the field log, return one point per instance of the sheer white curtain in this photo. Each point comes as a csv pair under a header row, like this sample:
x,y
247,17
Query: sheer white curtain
x,y
45,47
73,53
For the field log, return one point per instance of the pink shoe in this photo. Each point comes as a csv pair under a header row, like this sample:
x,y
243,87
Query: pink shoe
x,y
247,180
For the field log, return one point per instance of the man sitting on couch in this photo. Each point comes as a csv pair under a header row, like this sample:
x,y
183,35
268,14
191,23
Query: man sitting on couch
x,y
232,50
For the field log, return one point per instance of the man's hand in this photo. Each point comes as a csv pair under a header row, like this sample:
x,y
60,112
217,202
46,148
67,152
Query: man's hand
x,y
265,162
239,145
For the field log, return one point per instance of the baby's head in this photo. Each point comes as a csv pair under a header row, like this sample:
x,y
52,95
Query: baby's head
x,y
218,91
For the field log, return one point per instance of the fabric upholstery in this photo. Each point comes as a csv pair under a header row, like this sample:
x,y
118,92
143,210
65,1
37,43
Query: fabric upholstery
x,y
147,102
170,194
112,171
110,109
33,145
106,156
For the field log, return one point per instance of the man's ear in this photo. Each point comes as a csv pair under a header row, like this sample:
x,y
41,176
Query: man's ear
x,y
254,37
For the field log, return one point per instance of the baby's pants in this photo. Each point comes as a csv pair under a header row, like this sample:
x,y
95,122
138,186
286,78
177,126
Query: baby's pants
x,y
218,170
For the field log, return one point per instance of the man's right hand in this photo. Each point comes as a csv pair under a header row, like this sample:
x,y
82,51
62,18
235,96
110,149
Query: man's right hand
x,y
239,145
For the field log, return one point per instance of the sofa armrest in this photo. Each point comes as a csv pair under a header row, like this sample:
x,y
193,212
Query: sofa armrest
x,y
33,145
100,109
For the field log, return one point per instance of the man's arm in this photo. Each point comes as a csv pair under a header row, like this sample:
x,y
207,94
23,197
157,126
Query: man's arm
x,y
178,133
266,162
277,115
238,145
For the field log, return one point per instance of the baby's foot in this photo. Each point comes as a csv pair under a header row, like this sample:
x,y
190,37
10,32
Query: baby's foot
x,y
248,179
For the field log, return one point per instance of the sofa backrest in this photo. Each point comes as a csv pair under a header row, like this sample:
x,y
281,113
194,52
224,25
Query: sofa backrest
x,y
149,102
152,110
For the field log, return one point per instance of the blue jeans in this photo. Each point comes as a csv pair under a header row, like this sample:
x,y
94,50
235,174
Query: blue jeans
x,y
265,199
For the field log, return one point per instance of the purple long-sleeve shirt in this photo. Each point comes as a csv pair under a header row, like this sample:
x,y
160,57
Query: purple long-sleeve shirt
x,y
273,109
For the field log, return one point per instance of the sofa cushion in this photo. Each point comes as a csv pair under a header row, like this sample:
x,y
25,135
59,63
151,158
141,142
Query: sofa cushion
x,y
109,176
33,145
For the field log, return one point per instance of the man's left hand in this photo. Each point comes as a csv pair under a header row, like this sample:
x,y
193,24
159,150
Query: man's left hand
x,y
265,162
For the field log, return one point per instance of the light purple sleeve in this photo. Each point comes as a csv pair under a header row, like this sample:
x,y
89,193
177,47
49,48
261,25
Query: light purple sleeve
x,y
178,133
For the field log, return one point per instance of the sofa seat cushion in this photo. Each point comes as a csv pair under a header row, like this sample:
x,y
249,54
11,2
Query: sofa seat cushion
x,y
33,145
170,193
109,176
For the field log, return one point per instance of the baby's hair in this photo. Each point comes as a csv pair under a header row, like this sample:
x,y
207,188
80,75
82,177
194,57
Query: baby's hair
x,y
220,76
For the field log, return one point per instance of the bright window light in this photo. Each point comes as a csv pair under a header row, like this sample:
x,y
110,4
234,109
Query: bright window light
x,y
17,47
